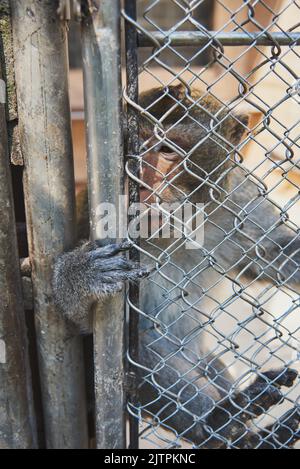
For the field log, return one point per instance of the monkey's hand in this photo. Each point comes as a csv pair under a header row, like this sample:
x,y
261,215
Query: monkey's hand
x,y
88,274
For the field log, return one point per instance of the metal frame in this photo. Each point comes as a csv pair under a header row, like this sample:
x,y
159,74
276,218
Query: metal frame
x,y
132,148
197,38
102,80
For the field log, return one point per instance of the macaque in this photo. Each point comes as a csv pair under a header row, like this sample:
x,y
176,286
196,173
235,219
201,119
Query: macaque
x,y
190,147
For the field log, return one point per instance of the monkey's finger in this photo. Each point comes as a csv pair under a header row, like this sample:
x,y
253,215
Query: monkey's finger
x,y
123,276
264,392
137,274
114,263
109,251
255,400
281,377
284,433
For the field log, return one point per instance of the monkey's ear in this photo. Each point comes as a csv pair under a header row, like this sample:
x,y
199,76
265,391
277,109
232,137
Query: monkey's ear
x,y
237,128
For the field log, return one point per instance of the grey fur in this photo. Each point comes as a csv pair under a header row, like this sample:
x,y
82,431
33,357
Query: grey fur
x,y
88,274
182,384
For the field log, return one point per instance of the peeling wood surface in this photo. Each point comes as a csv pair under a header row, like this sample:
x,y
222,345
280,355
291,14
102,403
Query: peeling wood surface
x,y
7,59
17,422
7,65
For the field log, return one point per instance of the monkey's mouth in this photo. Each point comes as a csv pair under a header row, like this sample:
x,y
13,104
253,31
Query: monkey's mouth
x,y
145,194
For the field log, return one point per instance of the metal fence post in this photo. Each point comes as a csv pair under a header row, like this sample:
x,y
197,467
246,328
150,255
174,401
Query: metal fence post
x,y
102,79
17,422
132,148
42,87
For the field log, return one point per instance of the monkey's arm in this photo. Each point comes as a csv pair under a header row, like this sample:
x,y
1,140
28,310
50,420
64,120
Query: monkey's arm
x,y
205,407
252,237
90,273
273,247
276,257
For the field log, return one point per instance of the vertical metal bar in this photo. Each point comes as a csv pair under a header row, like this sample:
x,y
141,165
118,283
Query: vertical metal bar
x,y
44,115
132,148
102,85
17,421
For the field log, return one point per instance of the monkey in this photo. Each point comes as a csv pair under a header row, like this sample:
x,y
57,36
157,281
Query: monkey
x,y
190,152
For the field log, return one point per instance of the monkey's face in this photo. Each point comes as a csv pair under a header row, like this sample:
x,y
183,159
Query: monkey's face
x,y
187,148
156,175
161,169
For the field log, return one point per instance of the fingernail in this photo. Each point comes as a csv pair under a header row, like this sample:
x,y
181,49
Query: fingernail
x,y
126,245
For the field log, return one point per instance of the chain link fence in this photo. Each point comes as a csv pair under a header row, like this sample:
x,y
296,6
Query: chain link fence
x,y
211,337
214,331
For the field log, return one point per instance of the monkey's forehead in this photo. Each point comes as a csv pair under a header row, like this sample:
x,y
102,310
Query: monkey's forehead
x,y
178,94
183,129
171,111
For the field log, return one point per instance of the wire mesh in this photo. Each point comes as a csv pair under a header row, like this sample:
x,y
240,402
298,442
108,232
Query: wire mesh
x,y
218,331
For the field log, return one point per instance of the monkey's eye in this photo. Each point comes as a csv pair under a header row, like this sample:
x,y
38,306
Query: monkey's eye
x,y
167,153
165,149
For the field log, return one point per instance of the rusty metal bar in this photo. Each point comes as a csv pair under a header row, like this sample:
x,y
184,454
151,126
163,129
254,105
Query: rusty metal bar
x,y
197,38
102,84
132,148
17,420
44,114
